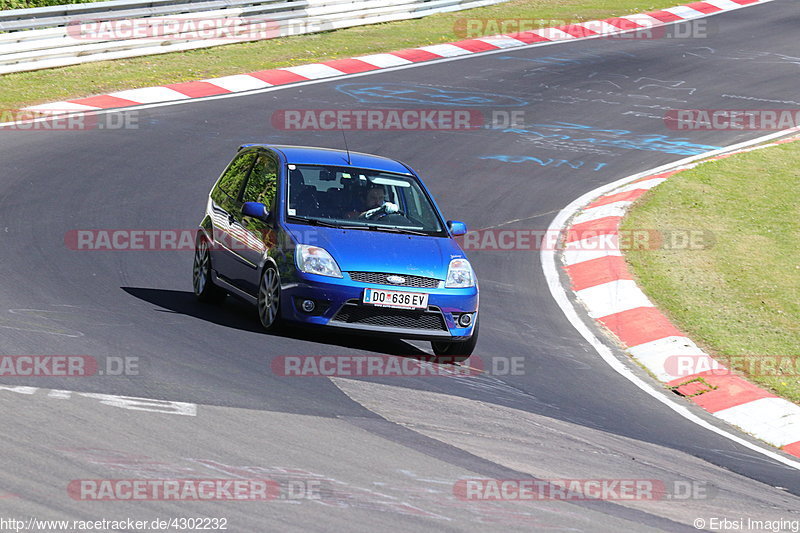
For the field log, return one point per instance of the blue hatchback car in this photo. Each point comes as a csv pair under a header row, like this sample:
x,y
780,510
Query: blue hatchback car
x,y
337,239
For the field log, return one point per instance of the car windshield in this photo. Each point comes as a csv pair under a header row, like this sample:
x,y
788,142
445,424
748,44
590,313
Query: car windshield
x,y
359,199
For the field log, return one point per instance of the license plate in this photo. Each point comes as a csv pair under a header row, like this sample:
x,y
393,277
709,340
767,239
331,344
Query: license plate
x,y
403,300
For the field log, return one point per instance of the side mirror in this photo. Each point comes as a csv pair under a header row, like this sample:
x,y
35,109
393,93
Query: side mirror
x,y
456,228
255,210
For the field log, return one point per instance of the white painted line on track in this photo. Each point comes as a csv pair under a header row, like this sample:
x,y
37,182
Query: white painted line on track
x,y
124,402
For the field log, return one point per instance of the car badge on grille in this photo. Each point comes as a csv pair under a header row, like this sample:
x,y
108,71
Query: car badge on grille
x,y
396,280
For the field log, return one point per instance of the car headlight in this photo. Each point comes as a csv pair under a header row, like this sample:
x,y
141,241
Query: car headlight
x,y
316,260
460,275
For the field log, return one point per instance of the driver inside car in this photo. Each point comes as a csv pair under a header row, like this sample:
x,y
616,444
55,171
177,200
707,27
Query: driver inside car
x,y
373,198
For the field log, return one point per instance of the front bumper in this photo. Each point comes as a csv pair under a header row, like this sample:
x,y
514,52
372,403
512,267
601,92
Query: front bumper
x,y
338,305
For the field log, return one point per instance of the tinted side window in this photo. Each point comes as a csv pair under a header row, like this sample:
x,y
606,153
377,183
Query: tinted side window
x,y
231,182
263,182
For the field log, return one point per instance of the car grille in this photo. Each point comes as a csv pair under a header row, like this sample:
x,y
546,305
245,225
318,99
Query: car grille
x,y
353,313
380,279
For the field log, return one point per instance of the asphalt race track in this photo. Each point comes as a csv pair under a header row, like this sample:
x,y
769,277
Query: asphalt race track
x,y
388,451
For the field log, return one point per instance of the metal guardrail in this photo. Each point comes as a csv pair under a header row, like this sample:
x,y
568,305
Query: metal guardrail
x,y
47,37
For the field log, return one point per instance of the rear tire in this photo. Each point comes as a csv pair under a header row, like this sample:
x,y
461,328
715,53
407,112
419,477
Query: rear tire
x,y
269,299
204,288
455,351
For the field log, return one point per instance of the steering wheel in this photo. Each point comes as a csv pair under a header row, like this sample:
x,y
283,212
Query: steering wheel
x,y
380,214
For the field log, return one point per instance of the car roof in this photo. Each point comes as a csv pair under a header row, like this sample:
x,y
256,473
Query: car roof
x,y
310,155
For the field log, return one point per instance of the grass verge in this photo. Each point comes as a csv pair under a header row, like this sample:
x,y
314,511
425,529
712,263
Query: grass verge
x,y
28,88
740,296
25,4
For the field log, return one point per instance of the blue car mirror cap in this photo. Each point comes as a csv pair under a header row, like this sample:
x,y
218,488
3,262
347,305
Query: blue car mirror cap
x,y
255,210
456,228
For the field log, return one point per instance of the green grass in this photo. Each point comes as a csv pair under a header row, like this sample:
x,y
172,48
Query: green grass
x,y
23,4
27,88
741,296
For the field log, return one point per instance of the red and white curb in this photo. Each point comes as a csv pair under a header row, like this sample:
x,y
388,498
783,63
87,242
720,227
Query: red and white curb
x,y
340,67
604,285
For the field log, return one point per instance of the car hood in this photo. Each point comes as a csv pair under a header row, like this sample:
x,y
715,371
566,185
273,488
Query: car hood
x,y
376,251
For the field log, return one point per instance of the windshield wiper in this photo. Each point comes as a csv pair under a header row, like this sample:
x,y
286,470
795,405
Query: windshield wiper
x,y
394,229
313,221
363,227
318,222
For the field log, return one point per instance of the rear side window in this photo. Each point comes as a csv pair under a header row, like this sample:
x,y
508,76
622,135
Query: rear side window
x,y
231,181
263,182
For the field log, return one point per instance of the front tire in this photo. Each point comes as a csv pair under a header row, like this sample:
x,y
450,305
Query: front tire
x,y
455,351
269,299
204,288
